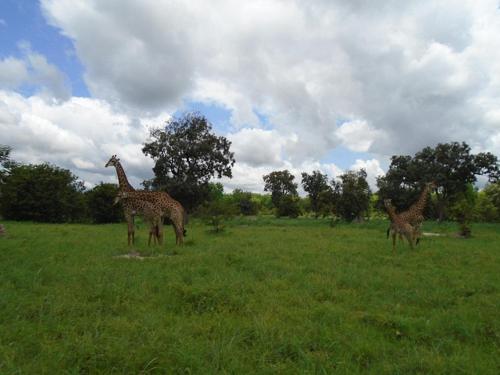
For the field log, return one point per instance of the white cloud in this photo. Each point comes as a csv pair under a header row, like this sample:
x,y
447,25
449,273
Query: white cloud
x,y
79,134
357,135
372,168
417,72
13,72
397,77
33,69
258,147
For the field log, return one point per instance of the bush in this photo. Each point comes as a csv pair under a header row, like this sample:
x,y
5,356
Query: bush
x,y
216,213
289,205
243,200
100,204
42,193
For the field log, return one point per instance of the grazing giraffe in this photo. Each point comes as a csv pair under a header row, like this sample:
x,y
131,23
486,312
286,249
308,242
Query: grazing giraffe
x,y
168,206
399,226
414,215
149,212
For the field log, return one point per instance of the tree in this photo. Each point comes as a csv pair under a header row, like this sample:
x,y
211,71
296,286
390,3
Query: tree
x,y
42,193
100,204
6,163
450,165
462,209
351,195
289,205
488,203
244,202
187,155
280,184
314,184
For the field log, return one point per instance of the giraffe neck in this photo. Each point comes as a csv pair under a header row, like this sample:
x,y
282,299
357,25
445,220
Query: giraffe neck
x,y
391,211
122,178
422,200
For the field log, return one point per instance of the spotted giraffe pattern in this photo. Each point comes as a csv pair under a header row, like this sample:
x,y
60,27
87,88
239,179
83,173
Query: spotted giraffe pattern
x,y
414,215
148,211
161,200
166,205
399,226
124,185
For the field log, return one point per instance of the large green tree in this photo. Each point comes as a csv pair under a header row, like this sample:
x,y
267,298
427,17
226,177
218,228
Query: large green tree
x,y
351,194
451,165
280,184
42,193
314,184
283,192
187,155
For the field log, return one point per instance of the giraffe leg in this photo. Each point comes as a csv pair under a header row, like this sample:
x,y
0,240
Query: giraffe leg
x,y
409,237
394,242
179,234
130,229
159,232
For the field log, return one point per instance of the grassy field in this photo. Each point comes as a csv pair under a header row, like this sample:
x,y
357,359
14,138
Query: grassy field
x,y
265,296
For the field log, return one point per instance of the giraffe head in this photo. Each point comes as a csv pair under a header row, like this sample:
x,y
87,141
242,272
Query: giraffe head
x,y
112,161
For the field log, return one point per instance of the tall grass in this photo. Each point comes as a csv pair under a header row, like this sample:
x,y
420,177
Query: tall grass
x,y
264,296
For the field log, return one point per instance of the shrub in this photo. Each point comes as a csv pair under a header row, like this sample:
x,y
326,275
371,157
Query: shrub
x,y
100,204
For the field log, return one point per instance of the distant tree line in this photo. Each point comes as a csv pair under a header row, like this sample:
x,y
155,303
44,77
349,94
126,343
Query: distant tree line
x,y
188,156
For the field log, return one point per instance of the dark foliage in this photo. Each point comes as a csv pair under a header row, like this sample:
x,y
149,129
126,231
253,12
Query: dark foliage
x,y
280,184
100,204
289,205
187,155
450,165
42,193
315,184
244,202
351,194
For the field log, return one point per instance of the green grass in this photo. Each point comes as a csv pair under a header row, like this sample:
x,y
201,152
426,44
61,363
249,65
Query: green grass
x,y
265,296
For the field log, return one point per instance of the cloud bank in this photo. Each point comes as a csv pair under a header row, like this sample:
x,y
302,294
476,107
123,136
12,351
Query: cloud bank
x,y
377,78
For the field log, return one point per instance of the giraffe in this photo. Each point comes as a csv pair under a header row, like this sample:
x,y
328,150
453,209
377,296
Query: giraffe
x,y
168,206
150,213
414,215
124,185
399,226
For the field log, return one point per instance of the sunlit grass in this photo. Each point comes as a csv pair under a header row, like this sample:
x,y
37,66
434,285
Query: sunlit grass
x,y
264,296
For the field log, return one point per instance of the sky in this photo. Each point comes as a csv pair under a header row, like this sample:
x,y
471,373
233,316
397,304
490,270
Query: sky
x,y
305,85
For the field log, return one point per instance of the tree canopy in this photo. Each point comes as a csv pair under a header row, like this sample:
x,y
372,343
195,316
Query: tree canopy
x,y
42,193
187,155
100,204
280,184
314,184
351,194
451,166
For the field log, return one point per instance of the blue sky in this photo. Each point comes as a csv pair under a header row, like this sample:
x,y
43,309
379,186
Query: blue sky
x,y
24,22
298,86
